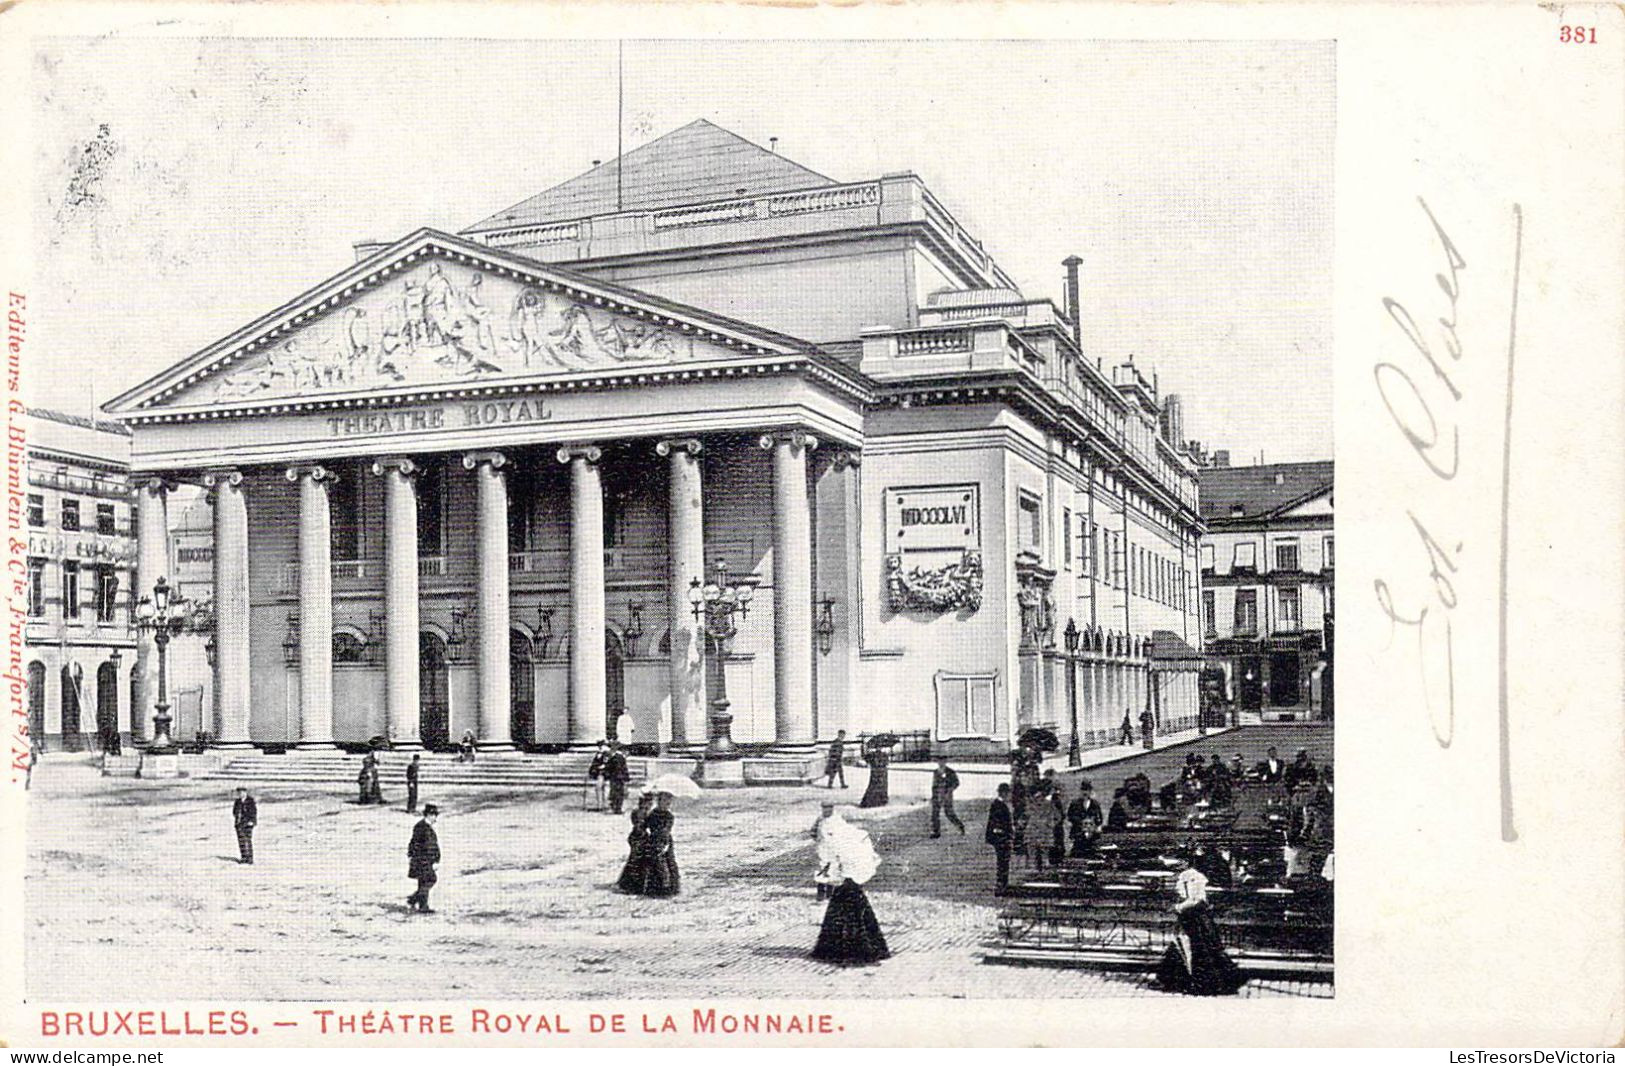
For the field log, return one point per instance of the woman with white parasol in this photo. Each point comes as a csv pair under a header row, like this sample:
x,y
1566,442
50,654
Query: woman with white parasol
x,y
660,876
850,935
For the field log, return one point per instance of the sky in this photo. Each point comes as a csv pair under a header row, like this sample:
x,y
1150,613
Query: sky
x,y
1193,178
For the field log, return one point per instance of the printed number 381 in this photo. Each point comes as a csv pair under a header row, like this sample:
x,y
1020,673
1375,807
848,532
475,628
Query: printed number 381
x,y
1577,34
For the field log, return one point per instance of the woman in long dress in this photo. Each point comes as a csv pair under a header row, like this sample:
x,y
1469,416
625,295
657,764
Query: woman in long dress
x,y
850,935
878,794
631,879
1195,963
660,874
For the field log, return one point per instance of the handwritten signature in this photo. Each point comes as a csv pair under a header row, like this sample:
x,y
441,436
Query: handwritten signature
x,y
1439,449
1426,410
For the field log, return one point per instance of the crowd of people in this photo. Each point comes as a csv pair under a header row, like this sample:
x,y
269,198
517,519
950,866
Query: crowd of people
x,y
1031,818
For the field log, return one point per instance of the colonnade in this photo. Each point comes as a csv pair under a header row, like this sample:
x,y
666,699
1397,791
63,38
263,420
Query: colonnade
x,y
792,600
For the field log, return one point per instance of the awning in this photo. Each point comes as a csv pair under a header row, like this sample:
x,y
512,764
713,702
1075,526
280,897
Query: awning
x,y
1169,651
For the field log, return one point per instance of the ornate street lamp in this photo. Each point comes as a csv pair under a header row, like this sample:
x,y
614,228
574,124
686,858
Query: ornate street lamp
x,y
1074,753
164,615
715,606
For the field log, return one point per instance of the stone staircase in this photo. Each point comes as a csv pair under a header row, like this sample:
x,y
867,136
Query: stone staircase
x,y
336,769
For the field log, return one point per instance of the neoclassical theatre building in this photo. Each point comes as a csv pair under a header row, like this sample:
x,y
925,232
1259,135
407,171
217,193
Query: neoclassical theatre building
x,y
470,481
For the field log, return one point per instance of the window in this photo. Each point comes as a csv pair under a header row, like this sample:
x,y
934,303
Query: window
x,y
1291,611
106,593
1247,612
964,706
520,496
70,588
1246,556
1066,537
1328,553
1209,615
431,508
36,510
36,588
1207,558
348,648
1286,555
344,509
70,515
1085,563
105,523
1032,525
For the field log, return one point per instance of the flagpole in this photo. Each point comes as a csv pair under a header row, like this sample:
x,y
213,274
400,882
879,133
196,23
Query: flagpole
x,y
620,109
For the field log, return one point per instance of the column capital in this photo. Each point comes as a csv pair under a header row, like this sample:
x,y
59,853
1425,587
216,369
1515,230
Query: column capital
x,y
795,438
681,444
314,471
475,460
395,463
590,452
155,484
222,475
846,459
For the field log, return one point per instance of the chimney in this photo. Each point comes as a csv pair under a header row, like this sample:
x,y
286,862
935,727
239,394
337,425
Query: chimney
x,y
773,145
1072,263
1173,420
1221,457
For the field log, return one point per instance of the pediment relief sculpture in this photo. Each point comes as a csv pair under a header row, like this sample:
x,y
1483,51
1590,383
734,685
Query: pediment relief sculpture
x,y
443,322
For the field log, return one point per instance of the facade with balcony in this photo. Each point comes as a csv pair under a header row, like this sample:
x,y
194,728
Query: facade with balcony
x,y
81,558
472,481
1268,585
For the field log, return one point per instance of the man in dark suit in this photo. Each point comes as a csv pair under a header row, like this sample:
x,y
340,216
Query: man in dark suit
x,y
422,854
1085,818
595,773
1301,772
412,784
1148,728
1000,830
1271,770
943,783
618,774
833,762
245,815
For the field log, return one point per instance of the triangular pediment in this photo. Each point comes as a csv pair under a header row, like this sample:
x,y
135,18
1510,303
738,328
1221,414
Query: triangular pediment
x,y
438,311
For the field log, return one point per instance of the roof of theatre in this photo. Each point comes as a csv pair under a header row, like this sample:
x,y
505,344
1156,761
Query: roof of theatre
x,y
1259,491
692,164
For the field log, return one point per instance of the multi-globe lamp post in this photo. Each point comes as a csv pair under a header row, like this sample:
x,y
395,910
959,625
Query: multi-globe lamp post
x,y
719,606
164,615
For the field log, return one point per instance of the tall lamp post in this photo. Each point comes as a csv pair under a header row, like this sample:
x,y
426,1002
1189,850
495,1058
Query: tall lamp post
x,y
163,614
1074,753
716,606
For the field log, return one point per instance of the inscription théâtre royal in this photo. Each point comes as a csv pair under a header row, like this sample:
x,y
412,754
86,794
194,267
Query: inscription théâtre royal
x,y
428,419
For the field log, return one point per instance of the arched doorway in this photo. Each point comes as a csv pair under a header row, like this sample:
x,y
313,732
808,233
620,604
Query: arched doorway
x,y
71,738
521,690
434,704
614,682
107,707
36,704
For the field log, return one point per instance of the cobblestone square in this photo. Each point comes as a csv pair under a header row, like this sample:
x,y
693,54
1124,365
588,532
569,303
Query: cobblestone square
x,y
133,891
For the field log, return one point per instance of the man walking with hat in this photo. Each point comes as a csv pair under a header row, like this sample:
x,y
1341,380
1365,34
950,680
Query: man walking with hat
x,y
244,816
422,854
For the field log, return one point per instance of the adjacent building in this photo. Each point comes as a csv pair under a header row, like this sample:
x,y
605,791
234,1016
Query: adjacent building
x,y
1268,565
81,560
488,481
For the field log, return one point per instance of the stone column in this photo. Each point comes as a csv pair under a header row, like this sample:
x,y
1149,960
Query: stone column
x,y
686,545
792,590
152,563
496,691
231,674
400,596
588,699
315,605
